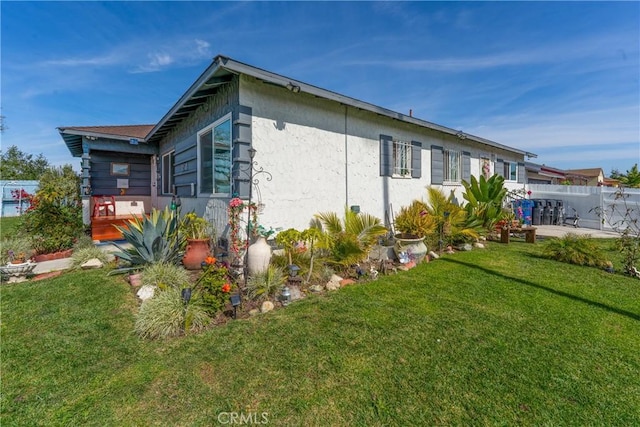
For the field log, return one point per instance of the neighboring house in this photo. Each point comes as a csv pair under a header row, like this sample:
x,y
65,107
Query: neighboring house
x,y
322,151
542,174
589,177
15,196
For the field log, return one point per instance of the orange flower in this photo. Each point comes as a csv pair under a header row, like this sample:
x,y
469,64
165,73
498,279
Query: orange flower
x,y
210,260
226,288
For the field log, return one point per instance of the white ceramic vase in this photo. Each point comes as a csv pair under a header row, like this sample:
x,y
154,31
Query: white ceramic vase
x,y
258,256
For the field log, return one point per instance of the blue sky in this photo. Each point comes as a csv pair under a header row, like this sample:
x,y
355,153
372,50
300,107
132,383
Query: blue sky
x,y
560,79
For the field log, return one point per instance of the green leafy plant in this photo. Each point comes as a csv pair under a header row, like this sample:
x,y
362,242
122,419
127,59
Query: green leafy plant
x,y
165,275
214,286
153,239
484,200
350,240
167,315
575,249
266,284
194,227
415,220
289,240
80,256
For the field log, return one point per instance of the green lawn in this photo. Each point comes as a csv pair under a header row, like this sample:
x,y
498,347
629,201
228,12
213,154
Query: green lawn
x,y
9,226
494,337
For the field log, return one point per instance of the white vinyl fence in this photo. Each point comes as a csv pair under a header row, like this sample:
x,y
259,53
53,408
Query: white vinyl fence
x,y
587,201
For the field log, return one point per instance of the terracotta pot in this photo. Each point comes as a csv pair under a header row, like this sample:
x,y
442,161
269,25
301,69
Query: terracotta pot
x,y
197,250
135,280
258,256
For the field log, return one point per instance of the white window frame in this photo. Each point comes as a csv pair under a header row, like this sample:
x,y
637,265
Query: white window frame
x,y
452,158
211,128
169,174
402,159
508,169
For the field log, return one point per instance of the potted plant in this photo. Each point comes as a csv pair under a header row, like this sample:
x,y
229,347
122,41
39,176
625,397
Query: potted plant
x,y
197,231
413,223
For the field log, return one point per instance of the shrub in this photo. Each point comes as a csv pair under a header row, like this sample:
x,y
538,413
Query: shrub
x,y
165,275
83,241
55,216
575,249
265,285
415,220
350,240
80,256
214,287
166,315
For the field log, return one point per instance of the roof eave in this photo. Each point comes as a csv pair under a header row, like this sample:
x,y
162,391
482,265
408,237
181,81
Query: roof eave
x,y
235,67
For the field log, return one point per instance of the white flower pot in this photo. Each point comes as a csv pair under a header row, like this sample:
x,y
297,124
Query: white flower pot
x,y
258,256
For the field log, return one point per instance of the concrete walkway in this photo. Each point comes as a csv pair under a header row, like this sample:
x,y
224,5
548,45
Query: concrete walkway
x,y
559,231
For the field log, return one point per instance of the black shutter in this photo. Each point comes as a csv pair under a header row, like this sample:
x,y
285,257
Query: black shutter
x,y
499,168
416,159
437,165
466,166
386,155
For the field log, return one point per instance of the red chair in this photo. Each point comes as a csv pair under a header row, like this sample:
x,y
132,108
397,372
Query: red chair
x,y
104,205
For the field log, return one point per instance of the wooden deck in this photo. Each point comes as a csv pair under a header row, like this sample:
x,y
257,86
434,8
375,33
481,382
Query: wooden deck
x,y
102,227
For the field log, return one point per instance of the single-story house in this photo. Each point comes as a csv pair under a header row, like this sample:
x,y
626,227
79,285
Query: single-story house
x,y
315,151
589,177
543,174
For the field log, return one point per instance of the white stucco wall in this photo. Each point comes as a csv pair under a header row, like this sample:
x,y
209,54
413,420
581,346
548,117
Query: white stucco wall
x,y
324,156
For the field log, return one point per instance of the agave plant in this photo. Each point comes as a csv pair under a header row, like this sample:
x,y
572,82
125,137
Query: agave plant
x,y
484,199
153,239
351,239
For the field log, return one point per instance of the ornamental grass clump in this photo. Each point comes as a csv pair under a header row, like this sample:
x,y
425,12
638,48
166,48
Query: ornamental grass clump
x,y
165,275
168,315
80,256
575,249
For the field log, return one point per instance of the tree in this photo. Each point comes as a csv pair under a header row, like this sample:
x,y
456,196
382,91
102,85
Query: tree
x,y
14,164
631,178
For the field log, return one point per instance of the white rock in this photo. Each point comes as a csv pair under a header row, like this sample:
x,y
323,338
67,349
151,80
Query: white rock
x,y
266,307
433,255
332,286
479,245
316,288
296,294
92,263
335,278
466,247
145,292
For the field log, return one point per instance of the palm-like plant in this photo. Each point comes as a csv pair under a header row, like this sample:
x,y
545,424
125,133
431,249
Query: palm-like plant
x,y
351,239
451,219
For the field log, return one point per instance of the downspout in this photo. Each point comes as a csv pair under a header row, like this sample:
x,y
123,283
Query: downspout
x,y
346,161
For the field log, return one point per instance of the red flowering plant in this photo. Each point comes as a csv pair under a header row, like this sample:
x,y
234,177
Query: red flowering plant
x,y
214,286
237,243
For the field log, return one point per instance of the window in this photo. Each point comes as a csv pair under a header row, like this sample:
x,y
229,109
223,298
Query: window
x,y
167,173
510,171
452,166
485,167
214,158
401,159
